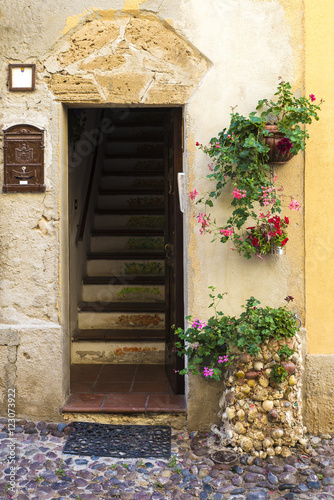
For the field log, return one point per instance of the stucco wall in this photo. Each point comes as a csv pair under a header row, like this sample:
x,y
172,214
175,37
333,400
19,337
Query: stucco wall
x,y
207,56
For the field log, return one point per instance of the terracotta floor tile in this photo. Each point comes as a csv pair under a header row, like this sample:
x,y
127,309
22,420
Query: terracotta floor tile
x,y
84,402
84,373
106,387
147,373
114,373
124,403
162,387
166,403
81,387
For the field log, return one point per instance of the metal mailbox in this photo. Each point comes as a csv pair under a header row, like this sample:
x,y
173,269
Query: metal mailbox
x,y
23,159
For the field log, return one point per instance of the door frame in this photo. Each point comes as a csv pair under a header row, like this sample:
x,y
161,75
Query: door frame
x,y
64,227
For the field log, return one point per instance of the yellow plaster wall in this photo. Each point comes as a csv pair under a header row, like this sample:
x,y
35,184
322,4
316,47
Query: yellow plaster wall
x,y
319,179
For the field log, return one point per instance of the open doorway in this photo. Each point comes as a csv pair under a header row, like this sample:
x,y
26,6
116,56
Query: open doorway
x,y
126,258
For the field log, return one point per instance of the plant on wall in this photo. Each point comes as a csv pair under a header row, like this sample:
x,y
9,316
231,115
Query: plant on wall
x,y
211,345
241,158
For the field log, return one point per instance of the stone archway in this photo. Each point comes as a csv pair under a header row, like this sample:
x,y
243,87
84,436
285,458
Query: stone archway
x,y
125,59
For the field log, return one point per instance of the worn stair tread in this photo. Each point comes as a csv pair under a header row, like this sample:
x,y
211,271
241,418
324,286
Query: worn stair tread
x,y
137,124
125,256
133,173
138,156
132,307
125,280
118,334
155,140
129,211
127,232
120,192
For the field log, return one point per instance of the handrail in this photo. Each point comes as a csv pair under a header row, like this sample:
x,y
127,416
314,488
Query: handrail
x,y
82,224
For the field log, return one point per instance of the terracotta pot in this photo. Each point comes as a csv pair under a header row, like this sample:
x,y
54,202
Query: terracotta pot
x,y
275,156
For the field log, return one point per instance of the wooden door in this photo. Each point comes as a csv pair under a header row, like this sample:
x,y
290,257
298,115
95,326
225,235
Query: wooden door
x,y
173,247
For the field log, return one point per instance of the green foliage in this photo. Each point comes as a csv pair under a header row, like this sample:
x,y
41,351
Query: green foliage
x,y
146,221
285,352
291,114
172,462
128,292
278,374
147,243
59,471
240,159
212,343
143,268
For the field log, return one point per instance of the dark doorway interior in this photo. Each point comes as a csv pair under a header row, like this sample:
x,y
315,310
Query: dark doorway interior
x,y
129,246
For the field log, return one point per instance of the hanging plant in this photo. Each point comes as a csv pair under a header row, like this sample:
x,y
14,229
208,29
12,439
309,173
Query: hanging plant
x,y
241,158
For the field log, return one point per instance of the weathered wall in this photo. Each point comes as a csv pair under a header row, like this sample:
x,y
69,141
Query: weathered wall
x,y
207,56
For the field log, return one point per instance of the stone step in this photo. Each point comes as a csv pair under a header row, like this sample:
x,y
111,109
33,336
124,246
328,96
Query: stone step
x,y
124,221
125,267
118,334
133,164
133,148
127,231
130,352
121,293
125,201
132,181
126,319
145,244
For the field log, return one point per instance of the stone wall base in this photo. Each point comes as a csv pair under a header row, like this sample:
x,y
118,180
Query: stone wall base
x,y
32,364
261,414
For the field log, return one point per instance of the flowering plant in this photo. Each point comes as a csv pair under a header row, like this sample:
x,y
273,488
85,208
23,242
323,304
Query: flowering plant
x,y
210,346
258,239
290,113
240,157
205,343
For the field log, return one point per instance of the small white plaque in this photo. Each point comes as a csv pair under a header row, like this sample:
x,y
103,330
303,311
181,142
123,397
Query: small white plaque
x,y
24,182
22,77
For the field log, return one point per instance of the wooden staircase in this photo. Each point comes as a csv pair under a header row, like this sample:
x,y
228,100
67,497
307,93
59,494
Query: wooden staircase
x,y
123,293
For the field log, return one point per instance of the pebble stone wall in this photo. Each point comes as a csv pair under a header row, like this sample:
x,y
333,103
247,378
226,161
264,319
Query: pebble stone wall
x,y
260,416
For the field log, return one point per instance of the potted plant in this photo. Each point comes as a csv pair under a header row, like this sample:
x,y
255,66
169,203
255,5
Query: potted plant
x,y
211,346
241,158
269,235
286,118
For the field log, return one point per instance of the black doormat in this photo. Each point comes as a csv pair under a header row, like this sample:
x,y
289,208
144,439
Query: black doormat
x,y
120,441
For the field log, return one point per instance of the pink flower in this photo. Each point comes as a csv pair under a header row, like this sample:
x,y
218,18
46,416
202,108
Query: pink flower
x,y
237,193
198,324
226,232
294,205
208,372
217,145
204,220
193,194
223,359
312,97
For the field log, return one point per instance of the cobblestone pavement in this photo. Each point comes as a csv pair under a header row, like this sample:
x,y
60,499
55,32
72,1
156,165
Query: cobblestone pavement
x,y
44,472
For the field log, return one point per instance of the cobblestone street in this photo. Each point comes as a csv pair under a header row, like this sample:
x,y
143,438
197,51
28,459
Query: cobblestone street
x,y
44,472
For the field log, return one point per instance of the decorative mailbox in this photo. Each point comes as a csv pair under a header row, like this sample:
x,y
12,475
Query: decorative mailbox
x,y
23,159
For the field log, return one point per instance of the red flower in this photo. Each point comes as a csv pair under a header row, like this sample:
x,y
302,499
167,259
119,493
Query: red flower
x,y
255,242
284,145
286,220
197,143
284,242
